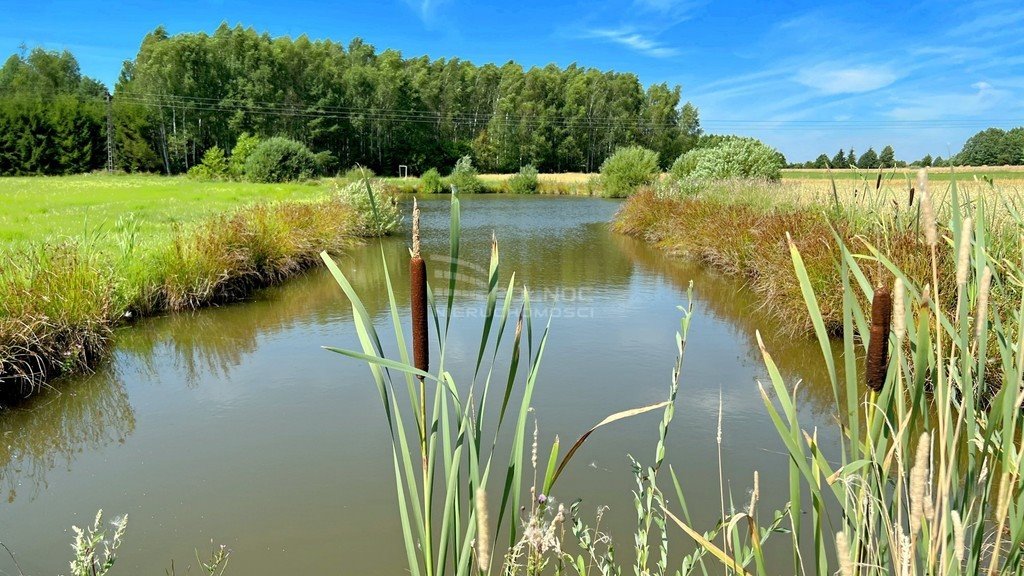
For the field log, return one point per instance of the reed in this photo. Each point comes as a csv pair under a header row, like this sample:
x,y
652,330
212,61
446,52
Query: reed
x,y
926,477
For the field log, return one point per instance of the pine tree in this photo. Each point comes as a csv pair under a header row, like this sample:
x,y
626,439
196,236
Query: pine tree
x,y
839,160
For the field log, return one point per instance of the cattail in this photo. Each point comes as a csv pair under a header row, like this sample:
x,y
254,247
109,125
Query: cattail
x,y
878,348
982,318
963,259
843,553
910,197
917,483
958,537
878,181
899,312
418,297
483,542
754,495
931,235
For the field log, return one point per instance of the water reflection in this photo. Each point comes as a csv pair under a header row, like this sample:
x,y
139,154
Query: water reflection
x,y
799,358
52,429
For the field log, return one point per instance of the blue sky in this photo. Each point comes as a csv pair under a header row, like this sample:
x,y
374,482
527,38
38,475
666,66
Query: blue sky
x,y
806,77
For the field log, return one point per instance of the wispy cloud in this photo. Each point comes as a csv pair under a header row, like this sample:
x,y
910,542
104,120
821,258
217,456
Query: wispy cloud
x,y
982,98
426,9
633,40
849,80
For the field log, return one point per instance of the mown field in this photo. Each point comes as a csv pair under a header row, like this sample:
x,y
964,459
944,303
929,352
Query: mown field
x,y
38,207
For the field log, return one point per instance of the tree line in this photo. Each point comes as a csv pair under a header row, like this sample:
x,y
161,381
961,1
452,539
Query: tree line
x,y
186,93
52,119
989,147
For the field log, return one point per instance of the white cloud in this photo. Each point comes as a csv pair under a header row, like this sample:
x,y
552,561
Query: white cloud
x,y
634,41
852,80
936,106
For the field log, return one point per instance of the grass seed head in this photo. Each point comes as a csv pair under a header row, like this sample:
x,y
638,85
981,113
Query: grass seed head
x,y
963,260
483,542
899,312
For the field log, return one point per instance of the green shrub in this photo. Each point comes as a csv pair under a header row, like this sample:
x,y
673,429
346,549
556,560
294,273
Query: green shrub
x,y
627,169
213,167
377,218
280,160
355,174
464,177
324,163
525,181
731,158
430,182
244,146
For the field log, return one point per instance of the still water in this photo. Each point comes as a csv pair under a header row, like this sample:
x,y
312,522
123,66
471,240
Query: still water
x,y
231,424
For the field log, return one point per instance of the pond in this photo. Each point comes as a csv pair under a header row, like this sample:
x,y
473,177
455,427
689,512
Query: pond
x,y
232,424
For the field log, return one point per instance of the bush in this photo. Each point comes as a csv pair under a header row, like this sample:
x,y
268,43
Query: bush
x,y
524,182
213,167
379,218
430,182
464,177
731,158
628,169
280,160
240,154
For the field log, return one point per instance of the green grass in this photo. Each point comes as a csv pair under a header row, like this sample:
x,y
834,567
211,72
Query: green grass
x,y
82,253
39,207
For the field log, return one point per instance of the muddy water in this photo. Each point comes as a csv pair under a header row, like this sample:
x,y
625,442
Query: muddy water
x,y
232,424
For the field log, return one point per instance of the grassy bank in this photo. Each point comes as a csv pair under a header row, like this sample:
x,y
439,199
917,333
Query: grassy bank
x,y
741,228
61,295
1000,174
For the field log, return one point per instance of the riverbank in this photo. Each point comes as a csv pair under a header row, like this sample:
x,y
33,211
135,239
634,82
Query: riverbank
x,y
741,228
61,297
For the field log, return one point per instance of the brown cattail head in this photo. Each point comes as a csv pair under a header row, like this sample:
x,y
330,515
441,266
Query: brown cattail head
x,y
910,197
418,298
878,347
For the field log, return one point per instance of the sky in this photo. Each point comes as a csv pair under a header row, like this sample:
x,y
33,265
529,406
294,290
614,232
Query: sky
x,y
805,77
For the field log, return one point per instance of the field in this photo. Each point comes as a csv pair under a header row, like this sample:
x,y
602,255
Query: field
x,y
69,206
999,174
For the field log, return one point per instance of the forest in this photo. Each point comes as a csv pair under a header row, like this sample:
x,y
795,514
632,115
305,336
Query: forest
x,y
185,93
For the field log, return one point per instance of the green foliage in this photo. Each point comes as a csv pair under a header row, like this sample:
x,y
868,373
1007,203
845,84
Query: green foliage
x,y
431,183
214,166
887,159
375,204
926,161
851,158
839,160
280,160
94,553
868,160
52,119
628,169
524,181
821,161
464,177
244,147
730,158
993,147
558,119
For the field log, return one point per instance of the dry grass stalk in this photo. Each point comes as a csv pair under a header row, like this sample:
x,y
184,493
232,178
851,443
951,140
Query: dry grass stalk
x,y
843,553
899,310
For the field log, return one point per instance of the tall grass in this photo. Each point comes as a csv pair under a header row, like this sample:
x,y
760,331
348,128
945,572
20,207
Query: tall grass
x,y
59,302
926,479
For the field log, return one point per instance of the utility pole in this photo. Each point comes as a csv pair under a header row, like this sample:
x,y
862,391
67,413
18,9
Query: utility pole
x,y
110,135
